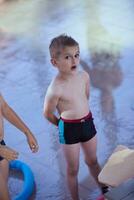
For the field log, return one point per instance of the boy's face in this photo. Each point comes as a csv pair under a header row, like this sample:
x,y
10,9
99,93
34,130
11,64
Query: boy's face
x,y
68,60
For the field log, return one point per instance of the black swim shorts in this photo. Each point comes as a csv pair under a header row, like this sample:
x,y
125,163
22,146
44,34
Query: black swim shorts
x,y
77,130
2,143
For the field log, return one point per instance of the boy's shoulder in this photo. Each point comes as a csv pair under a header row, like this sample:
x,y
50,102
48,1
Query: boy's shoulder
x,y
54,86
84,74
55,82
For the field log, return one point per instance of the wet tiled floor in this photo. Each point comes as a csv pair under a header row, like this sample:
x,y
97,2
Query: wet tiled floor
x,y
105,31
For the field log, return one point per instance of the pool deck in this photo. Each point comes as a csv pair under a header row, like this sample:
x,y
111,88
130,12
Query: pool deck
x,y
105,32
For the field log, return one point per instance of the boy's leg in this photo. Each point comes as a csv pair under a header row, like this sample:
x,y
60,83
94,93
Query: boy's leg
x,y
89,149
4,172
71,153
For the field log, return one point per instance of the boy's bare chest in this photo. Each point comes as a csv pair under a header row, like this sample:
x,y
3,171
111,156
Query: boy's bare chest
x,y
72,90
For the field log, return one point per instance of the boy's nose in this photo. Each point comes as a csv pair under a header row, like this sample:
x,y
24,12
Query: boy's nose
x,y
73,61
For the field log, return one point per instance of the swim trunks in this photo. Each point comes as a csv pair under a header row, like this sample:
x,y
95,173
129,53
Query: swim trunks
x,y
77,130
2,143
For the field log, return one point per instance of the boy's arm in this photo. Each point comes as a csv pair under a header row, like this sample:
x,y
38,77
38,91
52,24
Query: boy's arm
x,y
87,78
50,103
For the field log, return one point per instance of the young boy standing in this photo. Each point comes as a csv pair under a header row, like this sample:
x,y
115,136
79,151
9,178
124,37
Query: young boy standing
x,y
6,153
69,94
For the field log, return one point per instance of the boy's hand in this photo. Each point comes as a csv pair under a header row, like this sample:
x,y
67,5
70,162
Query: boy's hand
x,y
32,142
8,153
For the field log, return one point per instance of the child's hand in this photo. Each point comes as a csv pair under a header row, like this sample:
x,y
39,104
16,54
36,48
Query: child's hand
x,y
32,142
8,153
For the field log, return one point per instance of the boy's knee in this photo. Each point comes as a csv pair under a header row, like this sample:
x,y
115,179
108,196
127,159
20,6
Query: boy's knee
x,y
72,171
91,162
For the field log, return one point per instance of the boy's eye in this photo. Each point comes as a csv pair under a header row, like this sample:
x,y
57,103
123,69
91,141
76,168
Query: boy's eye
x,y
77,55
67,57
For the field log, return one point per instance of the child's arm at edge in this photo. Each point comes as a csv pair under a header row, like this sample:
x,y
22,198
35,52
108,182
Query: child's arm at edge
x,y
14,119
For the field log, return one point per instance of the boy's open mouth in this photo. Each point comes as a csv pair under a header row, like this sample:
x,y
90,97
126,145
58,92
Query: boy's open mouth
x,y
73,67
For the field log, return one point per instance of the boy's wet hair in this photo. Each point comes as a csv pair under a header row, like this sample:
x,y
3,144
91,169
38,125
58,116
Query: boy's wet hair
x,y
60,42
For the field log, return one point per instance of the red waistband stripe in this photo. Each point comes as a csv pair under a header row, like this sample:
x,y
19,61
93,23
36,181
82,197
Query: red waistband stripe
x,y
78,120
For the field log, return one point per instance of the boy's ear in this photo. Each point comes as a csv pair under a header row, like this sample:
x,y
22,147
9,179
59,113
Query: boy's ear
x,y
53,61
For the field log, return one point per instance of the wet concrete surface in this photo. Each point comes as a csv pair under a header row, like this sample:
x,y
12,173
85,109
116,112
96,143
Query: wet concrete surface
x,y
105,32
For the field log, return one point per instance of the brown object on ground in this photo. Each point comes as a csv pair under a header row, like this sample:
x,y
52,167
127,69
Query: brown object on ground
x,y
119,167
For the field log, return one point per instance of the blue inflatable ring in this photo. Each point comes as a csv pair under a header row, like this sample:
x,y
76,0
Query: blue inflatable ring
x,y
28,185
